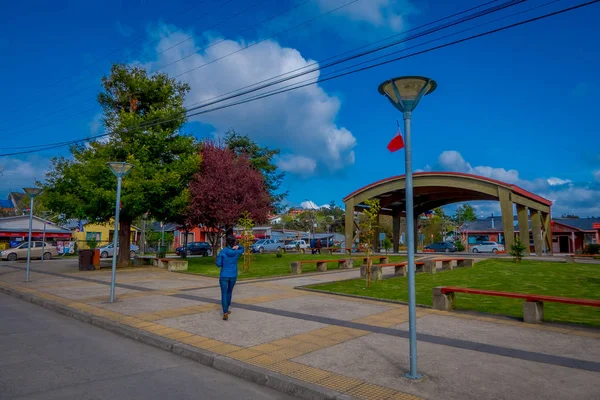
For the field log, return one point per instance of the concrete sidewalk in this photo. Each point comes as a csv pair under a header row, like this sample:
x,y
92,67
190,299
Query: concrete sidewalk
x,y
324,346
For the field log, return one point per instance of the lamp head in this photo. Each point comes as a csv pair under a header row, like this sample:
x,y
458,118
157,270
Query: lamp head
x,y
120,169
405,92
32,192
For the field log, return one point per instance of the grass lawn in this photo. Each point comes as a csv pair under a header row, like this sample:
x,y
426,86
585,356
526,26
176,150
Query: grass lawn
x,y
268,265
536,277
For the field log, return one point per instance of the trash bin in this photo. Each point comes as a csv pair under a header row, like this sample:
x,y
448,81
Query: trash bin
x,y
162,252
86,260
96,258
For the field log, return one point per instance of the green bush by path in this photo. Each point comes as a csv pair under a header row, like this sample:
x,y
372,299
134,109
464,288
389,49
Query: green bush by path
x,y
536,277
269,265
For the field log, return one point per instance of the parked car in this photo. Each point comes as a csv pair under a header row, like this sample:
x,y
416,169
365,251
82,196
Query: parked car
x,y
487,247
107,251
441,246
38,250
267,245
195,248
296,244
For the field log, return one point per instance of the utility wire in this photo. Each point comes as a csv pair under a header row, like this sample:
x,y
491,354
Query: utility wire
x,y
447,25
318,68
73,93
213,44
469,38
137,39
277,76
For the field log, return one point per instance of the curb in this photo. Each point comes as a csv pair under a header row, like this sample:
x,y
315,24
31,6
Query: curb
x,y
248,372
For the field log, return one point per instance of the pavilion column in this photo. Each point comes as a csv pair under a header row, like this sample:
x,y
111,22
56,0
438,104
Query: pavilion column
x,y
349,223
547,230
523,219
536,230
506,207
396,221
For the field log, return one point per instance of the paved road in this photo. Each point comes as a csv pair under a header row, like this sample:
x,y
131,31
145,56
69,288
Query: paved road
x,y
44,355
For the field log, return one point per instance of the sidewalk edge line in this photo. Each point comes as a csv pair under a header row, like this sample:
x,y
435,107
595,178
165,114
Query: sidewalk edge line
x,y
224,364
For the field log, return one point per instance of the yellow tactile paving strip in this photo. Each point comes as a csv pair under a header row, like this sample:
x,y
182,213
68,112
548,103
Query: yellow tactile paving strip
x,y
278,355
274,356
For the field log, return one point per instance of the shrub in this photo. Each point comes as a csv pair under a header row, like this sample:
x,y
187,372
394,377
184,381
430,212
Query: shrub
x,y
279,255
517,250
592,249
459,245
92,243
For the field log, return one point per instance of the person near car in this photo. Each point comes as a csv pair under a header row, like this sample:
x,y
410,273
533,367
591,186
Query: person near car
x,y
227,260
318,246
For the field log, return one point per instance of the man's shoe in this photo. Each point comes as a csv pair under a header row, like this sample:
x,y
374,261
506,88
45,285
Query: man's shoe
x,y
225,317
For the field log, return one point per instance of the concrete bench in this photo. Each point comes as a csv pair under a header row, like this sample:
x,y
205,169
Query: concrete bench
x,y
533,308
144,260
447,264
171,264
400,269
382,259
296,266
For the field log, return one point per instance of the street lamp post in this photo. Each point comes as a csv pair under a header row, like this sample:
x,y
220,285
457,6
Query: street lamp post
x,y
45,214
120,169
405,93
32,193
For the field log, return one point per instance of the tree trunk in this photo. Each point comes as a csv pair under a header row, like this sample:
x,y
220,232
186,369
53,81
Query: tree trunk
x,y
124,243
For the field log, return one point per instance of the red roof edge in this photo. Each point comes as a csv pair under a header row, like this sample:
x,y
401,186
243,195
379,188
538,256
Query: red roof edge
x,y
514,188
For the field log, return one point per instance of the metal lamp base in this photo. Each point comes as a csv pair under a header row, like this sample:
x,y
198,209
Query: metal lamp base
x,y
414,378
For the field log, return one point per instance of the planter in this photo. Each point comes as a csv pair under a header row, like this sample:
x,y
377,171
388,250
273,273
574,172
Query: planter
x,y
96,258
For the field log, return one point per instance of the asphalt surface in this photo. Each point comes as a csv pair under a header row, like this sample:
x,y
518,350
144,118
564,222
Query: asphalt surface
x,y
44,355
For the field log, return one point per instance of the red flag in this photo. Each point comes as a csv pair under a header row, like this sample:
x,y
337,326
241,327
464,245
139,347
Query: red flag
x,y
397,142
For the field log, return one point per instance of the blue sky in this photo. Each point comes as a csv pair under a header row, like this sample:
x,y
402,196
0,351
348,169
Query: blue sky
x,y
519,106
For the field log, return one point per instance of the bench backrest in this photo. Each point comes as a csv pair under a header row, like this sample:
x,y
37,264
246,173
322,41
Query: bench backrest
x,y
525,296
320,261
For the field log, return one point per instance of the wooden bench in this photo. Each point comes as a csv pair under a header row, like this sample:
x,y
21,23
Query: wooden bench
x,y
400,269
171,264
533,308
296,266
448,263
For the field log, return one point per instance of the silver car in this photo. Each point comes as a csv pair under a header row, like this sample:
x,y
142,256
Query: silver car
x,y
38,250
107,251
267,245
487,247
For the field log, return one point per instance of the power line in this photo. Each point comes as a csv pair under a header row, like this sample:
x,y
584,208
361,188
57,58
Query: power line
x,y
137,39
487,33
146,58
447,25
213,44
318,68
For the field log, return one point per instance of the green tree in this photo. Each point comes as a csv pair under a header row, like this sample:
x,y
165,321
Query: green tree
x,y
465,213
165,160
262,159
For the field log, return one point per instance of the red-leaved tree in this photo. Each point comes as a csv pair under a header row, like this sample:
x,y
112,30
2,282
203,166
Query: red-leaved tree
x,y
226,186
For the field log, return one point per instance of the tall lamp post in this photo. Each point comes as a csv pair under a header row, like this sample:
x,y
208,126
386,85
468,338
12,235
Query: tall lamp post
x,y
32,193
45,214
120,169
405,93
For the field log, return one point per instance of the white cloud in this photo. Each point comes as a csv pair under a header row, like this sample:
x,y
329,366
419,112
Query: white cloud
x,y
19,173
557,181
567,196
301,122
124,30
95,124
309,205
379,13
452,160
298,165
